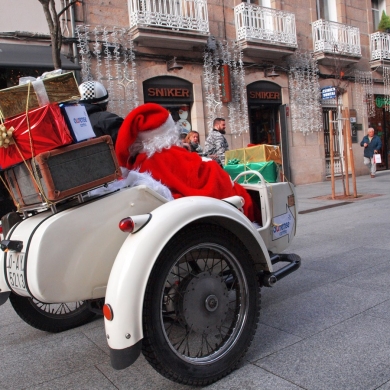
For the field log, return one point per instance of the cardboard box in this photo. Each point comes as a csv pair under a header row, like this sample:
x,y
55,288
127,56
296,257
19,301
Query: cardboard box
x,y
62,88
258,153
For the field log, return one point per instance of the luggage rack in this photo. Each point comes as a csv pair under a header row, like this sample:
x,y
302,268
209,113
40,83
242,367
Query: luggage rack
x,y
61,205
54,207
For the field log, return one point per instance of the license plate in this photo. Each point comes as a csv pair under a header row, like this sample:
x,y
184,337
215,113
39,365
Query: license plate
x,y
15,270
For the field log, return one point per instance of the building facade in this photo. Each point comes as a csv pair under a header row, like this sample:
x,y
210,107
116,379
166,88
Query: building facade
x,y
275,69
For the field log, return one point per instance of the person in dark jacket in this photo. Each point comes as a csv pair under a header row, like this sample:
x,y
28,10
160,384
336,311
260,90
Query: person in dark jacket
x,y
372,144
94,97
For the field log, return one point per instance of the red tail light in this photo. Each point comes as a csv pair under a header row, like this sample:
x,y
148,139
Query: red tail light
x,y
107,312
127,225
135,223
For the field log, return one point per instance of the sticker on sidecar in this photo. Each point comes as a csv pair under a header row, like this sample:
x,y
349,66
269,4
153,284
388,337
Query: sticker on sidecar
x,y
283,225
15,270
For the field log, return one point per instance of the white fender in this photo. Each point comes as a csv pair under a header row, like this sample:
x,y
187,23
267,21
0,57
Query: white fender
x,y
135,260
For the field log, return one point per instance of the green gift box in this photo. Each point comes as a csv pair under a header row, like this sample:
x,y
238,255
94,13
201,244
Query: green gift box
x,y
269,170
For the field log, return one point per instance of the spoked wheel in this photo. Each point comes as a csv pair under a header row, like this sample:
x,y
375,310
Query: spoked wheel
x,y
201,306
51,317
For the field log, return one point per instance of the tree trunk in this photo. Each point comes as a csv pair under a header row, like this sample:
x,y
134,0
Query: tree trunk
x,y
49,9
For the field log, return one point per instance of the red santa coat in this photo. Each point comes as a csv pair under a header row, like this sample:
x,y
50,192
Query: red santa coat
x,y
186,174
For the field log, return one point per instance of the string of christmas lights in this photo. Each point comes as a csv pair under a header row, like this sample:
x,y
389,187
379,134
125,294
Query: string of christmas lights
x,y
306,111
364,93
111,62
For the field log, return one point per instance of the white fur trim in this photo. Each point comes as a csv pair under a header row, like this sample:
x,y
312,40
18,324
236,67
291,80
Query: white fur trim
x,y
133,179
158,131
136,178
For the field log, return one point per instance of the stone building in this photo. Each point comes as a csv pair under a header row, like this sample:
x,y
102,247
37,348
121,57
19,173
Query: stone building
x,y
290,63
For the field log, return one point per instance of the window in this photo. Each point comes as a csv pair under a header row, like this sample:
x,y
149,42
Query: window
x,y
377,7
326,9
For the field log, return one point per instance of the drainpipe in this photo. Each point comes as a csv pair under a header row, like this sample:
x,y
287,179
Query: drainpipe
x,y
74,46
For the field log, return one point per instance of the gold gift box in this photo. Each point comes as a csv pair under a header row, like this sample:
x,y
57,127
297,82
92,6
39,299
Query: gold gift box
x,y
62,88
253,154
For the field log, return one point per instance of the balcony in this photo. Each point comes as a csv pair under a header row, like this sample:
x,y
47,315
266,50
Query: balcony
x,y
176,24
380,49
265,32
336,43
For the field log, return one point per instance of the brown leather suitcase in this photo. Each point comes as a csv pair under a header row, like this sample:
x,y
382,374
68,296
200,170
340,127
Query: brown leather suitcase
x,y
63,173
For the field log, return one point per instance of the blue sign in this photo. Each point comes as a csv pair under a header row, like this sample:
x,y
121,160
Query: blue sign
x,y
328,93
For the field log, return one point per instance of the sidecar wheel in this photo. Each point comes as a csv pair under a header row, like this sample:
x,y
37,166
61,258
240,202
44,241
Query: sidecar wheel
x,y
201,307
51,317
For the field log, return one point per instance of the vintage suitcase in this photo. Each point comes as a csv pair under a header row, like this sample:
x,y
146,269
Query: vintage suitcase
x,y
63,173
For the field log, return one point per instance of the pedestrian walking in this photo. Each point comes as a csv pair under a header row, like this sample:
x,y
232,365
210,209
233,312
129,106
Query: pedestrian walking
x,y
372,144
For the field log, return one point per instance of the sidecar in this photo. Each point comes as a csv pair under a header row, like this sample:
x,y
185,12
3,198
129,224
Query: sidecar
x,y
178,280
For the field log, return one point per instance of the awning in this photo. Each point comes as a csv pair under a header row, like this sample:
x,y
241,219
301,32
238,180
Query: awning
x,y
30,56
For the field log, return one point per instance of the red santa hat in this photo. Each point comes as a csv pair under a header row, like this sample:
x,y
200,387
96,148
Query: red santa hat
x,y
149,123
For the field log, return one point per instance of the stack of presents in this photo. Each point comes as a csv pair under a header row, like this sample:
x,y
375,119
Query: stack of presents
x,y
265,159
48,150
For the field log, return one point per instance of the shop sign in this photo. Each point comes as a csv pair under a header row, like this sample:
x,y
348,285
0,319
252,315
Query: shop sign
x,y
381,100
264,95
328,93
264,92
167,90
226,91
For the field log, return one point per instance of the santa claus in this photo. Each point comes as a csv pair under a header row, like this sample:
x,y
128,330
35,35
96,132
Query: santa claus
x,y
148,141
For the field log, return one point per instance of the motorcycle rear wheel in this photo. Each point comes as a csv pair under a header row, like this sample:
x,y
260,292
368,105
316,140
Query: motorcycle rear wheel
x,y
201,306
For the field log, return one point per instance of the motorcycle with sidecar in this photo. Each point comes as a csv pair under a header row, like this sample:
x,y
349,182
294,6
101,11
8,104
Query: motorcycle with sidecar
x,y
176,280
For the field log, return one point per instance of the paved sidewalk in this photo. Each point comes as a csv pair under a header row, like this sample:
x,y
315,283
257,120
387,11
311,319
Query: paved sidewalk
x,y
323,327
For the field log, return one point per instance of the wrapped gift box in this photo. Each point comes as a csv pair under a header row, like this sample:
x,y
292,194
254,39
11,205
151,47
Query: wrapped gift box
x,y
55,89
268,169
258,153
48,131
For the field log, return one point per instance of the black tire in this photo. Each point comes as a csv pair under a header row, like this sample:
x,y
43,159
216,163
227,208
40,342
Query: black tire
x,y
51,317
201,307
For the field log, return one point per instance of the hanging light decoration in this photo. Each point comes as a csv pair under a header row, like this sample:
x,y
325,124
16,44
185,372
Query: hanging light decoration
x,y
226,55
114,64
306,111
211,86
238,107
364,93
97,51
82,33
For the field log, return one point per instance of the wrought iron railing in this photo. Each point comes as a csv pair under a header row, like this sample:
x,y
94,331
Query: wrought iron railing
x,y
380,46
174,14
266,24
336,38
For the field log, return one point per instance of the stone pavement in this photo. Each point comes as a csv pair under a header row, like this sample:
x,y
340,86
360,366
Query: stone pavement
x,y
324,327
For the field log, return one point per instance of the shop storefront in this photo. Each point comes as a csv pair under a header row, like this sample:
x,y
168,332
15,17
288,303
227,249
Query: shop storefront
x,y
264,101
173,93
